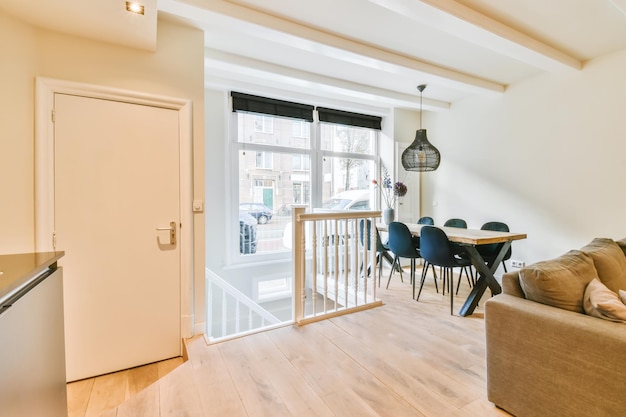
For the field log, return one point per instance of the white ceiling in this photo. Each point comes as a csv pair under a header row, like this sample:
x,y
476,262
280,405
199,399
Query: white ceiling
x,y
370,52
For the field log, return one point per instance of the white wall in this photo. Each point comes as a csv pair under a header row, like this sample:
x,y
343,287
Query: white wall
x,y
548,157
406,122
18,57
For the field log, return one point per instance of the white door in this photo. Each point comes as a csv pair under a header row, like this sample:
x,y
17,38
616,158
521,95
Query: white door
x,y
116,168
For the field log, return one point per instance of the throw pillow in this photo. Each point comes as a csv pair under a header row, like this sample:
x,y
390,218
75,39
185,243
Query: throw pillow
x,y
622,296
559,282
610,262
599,301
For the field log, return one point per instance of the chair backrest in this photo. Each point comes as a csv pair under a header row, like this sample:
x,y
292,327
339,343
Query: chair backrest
x,y
495,226
426,220
494,248
401,241
460,223
379,243
436,248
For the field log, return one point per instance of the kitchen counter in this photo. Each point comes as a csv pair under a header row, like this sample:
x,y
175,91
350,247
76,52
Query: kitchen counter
x,y
20,272
32,363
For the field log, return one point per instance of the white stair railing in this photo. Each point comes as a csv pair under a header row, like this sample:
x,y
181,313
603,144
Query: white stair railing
x,y
239,313
335,268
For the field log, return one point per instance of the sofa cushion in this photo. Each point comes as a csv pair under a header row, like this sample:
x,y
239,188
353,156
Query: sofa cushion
x,y
600,301
622,296
559,282
610,262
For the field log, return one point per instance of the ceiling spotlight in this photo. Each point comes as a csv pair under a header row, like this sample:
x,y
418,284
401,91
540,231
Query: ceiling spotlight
x,y
134,7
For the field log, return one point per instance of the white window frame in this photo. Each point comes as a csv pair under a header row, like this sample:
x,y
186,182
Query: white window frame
x,y
316,155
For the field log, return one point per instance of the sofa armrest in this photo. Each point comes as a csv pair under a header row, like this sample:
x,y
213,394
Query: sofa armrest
x,y
511,284
546,361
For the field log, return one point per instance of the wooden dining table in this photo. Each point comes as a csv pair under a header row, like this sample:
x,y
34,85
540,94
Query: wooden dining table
x,y
470,239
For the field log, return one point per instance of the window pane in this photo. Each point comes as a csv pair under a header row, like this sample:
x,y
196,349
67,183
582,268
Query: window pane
x,y
270,130
339,138
264,160
265,196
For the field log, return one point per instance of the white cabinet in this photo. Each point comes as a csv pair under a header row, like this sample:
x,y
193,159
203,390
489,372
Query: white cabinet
x,y
32,352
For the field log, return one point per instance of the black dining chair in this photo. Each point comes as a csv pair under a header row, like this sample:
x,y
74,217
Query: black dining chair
x,y
461,224
402,244
382,250
437,250
489,252
426,220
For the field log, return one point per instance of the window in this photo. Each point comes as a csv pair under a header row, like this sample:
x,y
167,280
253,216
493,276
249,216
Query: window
x,y
301,194
264,160
263,124
333,169
271,177
348,162
300,129
274,289
301,163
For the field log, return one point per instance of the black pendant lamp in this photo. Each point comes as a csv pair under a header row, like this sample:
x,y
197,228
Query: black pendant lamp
x,y
421,155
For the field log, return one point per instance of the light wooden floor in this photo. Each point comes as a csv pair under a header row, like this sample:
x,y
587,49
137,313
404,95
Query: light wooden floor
x,y
405,358
93,396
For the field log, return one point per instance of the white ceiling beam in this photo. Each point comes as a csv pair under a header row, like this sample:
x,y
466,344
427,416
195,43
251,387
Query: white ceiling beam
x,y
460,21
295,35
230,66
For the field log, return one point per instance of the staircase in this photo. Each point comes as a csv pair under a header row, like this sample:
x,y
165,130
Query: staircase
x,y
230,312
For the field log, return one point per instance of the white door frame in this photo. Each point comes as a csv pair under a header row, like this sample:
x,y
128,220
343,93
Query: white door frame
x,y
46,88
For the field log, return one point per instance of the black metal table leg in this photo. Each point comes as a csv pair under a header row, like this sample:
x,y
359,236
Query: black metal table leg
x,y
486,278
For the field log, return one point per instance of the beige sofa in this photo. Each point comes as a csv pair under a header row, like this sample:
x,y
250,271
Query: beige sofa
x,y
546,355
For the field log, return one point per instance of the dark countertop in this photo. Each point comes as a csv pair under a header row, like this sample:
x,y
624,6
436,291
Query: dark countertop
x,y
17,271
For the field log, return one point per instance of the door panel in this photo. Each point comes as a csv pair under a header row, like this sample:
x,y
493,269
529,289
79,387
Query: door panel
x,y
116,182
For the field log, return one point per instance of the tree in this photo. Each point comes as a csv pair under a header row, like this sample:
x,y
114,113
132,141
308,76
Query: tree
x,y
351,140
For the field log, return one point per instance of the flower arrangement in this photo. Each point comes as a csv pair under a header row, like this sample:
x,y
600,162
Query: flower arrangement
x,y
390,190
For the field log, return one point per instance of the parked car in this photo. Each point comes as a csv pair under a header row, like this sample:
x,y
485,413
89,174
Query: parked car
x,y
247,234
260,212
349,200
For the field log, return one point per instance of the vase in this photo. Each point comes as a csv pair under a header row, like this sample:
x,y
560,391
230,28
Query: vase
x,y
388,215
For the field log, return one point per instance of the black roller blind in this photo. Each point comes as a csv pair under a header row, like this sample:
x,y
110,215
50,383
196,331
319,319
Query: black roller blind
x,y
348,118
256,104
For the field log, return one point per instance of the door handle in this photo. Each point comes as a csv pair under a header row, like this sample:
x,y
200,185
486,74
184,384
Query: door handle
x,y
172,230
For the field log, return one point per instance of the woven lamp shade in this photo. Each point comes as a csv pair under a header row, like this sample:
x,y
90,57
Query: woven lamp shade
x,y
421,155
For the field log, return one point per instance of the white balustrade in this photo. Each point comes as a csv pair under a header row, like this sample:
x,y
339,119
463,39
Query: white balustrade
x,y
239,313
335,259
